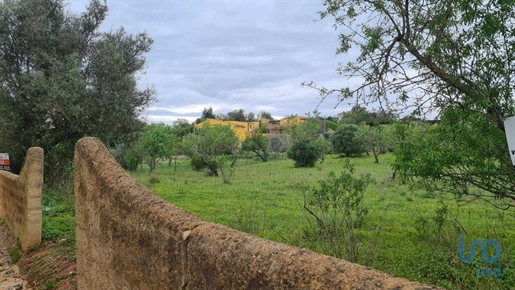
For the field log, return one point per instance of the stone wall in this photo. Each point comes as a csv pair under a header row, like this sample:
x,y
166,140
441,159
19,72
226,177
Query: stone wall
x,y
129,238
20,199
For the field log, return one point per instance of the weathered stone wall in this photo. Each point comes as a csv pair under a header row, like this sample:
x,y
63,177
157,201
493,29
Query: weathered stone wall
x,y
20,199
128,238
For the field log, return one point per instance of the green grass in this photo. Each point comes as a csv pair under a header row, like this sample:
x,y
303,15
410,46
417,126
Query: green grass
x,y
414,232
15,254
59,213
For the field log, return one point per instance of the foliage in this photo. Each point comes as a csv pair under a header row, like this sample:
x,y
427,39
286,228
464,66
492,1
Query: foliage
x,y
211,144
207,113
309,129
437,154
278,143
15,254
359,116
307,146
251,117
375,139
266,115
305,152
345,143
158,140
128,156
58,216
337,205
257,143
62,79
263,128
451,58
384,117
196,163
181,128
237,115
331,125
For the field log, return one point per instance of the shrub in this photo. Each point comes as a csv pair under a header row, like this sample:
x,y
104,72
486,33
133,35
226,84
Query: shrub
x,y
337,208
306,152
345,144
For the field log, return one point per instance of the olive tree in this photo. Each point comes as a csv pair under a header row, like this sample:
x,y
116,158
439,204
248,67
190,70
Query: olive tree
x,y
211,145
62,79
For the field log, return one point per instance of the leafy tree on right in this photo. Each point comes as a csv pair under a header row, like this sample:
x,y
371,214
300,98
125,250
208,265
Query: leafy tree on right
x,y
451,58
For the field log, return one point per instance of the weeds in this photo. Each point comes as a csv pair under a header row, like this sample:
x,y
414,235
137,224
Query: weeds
x,y
337,208
15,254
59,212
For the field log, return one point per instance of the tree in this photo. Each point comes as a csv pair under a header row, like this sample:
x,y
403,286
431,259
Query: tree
x,y
345,143
278,143
158,140
181,128
306,152
237,115
307,145
384,117
61,79
451,58
251,117
374,139
358,115
211,144
208,114
257,143
265,115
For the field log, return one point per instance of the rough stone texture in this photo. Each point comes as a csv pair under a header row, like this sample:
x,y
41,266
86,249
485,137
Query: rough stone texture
x,y
20,199
128,238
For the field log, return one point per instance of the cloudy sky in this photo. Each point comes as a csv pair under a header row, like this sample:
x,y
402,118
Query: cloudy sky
x,y
232,54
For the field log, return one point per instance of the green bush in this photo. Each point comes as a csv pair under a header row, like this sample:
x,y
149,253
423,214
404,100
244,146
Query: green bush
x,y
306,152
345,144
338,211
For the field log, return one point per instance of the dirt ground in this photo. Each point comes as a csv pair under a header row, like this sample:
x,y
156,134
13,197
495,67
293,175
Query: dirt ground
x,y
10,278
49,266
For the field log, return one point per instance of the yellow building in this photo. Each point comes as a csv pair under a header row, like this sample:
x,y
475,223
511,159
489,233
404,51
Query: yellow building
x,y
242,129
290,121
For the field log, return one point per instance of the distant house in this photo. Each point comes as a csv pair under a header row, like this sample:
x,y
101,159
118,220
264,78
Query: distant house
x,y
278,127
242,129
293,120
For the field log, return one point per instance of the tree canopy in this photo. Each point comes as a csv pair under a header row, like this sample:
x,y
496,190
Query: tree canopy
x,y
158,140
451,58
211,144
62,79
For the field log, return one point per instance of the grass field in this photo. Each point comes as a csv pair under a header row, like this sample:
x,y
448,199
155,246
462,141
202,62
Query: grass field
x,y
408,232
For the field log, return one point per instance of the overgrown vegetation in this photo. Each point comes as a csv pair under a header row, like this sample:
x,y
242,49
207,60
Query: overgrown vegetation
x,y
59,213
337,207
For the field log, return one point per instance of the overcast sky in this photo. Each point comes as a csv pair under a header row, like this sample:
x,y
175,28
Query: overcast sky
x,y
232,54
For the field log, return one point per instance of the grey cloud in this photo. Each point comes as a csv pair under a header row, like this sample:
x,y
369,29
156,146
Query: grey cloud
x,y
231,54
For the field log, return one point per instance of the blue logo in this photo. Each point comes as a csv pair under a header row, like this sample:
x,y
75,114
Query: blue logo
x,y
481,271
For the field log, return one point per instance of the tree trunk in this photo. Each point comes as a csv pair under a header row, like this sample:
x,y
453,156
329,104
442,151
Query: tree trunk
x,y
376,155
